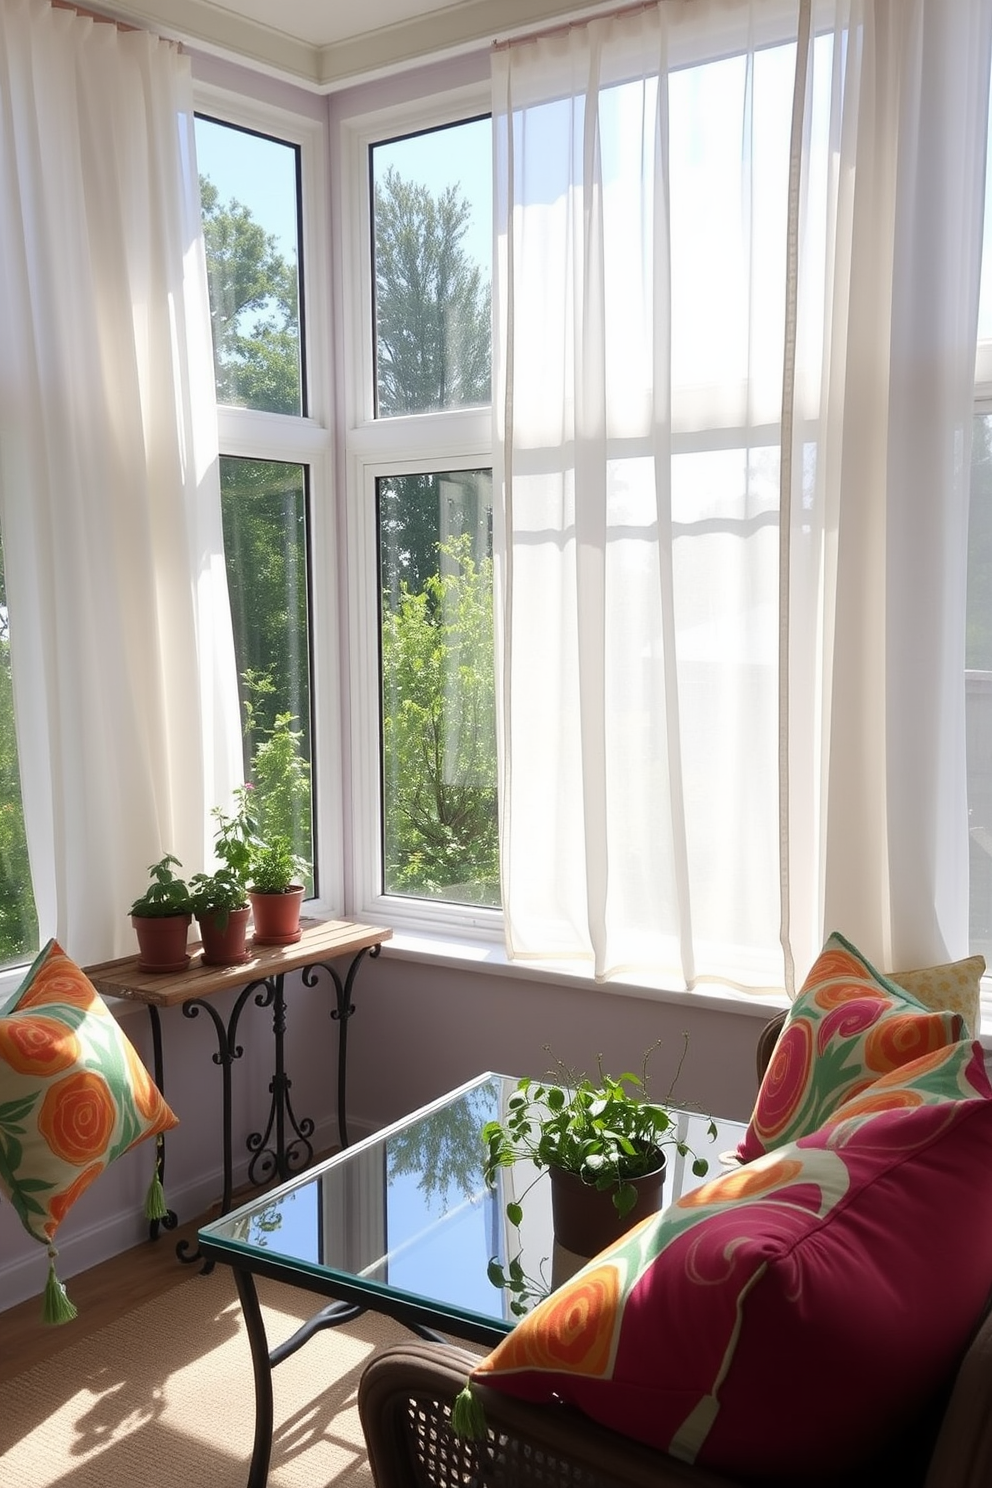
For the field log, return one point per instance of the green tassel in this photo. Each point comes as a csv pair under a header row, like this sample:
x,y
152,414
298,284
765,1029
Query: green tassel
x,y
155,1205
468,1419
56,1307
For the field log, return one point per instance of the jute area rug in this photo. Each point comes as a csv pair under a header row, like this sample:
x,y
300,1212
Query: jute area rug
x,y
163,1398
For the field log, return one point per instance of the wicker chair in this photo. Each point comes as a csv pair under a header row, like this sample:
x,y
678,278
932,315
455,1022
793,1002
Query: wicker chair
x,y
406,1394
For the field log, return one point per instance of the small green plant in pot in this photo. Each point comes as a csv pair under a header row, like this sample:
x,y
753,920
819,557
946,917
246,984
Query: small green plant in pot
x,y
220,905
276,888
220,898
275,868
161,917
602,1135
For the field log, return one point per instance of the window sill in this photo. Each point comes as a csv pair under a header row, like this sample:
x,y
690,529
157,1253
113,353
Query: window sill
x,y
490,959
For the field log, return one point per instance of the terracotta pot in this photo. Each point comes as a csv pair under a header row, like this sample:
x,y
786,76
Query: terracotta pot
x,y
161,941
277,916
585,1219
224,943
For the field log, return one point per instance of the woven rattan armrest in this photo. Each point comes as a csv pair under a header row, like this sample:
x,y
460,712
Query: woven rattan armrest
x,y
405,1400
962,1457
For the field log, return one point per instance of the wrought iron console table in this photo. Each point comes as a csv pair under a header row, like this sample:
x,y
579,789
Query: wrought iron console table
x,y
284,1147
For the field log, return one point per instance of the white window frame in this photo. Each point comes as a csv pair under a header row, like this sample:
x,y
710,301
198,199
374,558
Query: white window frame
x,y
459,439
257,435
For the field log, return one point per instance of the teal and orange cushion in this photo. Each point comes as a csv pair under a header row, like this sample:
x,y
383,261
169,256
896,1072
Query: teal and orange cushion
x,y
792,1313
848,1026
74,1094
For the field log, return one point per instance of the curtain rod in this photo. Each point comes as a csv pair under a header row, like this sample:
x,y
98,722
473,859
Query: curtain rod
x,y
563,27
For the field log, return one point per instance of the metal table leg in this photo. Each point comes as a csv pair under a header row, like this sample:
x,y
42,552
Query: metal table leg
x,y
169,1219
342,1011
264,1360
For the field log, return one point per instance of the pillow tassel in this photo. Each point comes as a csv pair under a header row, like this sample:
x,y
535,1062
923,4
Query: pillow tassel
x,y
468,1419
56,1307
155,1205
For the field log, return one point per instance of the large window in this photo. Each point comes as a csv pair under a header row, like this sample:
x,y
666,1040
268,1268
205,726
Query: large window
x,y
250,186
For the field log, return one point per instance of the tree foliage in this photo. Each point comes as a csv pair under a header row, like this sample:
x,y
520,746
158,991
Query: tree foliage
x,y
18,920
254,309
433,318
439,733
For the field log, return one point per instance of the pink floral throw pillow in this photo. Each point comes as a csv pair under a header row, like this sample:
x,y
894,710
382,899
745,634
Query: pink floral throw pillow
x,y
848,1026
790,1316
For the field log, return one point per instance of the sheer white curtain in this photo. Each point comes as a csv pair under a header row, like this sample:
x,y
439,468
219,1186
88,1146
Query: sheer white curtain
x,y
122,654
672,806
895,130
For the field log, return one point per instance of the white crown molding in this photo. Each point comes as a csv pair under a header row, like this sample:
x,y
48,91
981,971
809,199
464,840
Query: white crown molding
x,y
443,32
438,32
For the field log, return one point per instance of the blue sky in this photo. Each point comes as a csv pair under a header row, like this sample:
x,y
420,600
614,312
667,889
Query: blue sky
x,y
261,174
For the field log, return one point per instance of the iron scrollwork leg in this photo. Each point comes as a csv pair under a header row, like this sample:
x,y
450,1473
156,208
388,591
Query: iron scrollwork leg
x,y
227,1052
283,1158
169,1220
343,1010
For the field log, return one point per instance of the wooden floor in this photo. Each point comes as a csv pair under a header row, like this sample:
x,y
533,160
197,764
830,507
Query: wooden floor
x,y
101,1295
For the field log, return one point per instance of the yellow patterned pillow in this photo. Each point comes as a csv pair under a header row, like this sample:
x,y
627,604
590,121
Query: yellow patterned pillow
x,y
957,986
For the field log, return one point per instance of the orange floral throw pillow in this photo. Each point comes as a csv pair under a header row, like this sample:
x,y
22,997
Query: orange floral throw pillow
x,y
790,1317
848,1026
74,1096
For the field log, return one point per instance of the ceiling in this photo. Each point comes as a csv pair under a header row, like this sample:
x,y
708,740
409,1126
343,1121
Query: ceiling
x,y
325,44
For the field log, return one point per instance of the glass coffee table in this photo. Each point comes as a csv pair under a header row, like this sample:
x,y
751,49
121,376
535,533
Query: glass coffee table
x,y
403,1223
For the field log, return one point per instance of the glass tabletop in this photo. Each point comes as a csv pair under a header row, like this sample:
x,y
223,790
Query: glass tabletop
x,y
407,1212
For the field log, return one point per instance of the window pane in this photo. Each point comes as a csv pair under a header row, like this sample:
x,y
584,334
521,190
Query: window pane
x,y
249,190
438,700
18,921
432,229
265,541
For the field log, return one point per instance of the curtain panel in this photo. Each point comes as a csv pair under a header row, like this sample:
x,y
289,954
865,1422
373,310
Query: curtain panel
x,y
121,647
731,686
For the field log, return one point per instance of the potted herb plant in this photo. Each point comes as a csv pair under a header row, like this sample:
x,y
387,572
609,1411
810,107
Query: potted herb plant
x,y
275,890
604,1146
220,905
220,899
161,919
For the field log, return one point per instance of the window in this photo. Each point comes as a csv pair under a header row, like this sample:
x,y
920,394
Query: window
x,y
18,921
264,505
439,819
252,202
423,494
249,190
432,209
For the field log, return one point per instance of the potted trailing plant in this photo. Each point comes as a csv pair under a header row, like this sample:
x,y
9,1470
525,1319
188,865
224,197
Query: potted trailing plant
x,y
275,890
161,919
604,1146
